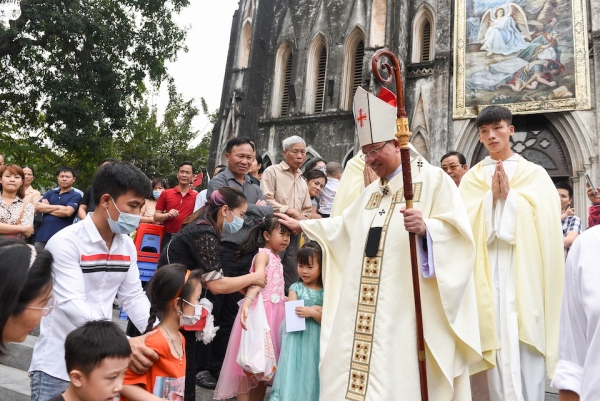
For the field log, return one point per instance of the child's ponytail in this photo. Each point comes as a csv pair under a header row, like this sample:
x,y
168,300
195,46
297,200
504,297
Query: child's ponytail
x,y
256,239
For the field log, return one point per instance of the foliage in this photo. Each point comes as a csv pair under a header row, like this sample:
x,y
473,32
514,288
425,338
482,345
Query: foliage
x,y
75,71
158,148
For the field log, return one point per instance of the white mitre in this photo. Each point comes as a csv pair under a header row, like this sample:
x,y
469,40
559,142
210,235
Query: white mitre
x,y
374,119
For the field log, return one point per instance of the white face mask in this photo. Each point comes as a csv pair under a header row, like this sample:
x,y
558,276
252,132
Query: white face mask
x,y
185,320
125,224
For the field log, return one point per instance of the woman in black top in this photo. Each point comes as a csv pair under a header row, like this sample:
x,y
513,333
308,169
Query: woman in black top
x,y
197,247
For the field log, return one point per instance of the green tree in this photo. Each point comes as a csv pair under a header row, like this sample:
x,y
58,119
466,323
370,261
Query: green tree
x,y
157,148
75,71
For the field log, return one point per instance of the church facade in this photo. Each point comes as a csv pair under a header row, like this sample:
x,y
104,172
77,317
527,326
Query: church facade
x,y
293,67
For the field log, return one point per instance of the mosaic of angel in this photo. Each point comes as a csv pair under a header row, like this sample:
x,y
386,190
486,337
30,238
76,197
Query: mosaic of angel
x,y
504,31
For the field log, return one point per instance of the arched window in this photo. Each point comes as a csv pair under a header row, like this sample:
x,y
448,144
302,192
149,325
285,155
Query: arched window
x,y
419,142
244,45
378,20
283,79
249,10
315,75
423,29
354,54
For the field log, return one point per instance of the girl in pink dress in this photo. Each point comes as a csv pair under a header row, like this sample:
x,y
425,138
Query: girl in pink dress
x,y
233,381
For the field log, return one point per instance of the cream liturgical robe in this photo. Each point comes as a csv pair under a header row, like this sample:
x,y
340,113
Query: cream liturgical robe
x,y
368,333
518,277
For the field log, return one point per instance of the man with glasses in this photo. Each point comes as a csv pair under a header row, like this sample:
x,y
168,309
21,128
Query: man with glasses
x,y
286,191
455,165
368,337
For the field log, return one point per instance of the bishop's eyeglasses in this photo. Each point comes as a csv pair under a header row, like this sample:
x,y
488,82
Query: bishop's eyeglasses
x,y
374,153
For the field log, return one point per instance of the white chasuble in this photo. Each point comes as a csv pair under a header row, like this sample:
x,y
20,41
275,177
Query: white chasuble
x,y
510,235
368,330
579,362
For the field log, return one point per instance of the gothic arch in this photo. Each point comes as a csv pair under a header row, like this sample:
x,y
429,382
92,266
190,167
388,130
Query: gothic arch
x,y
423,33
569,132
315,75
378,23
266,161
353,66
349,155
244,45
419,141
283,59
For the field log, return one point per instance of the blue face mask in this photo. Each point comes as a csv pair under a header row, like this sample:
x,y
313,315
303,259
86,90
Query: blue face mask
x,y
156,194
234,226
125,224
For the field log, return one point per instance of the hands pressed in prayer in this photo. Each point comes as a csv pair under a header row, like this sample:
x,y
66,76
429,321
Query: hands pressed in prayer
x,y
369,175
289,222
413,221
500,186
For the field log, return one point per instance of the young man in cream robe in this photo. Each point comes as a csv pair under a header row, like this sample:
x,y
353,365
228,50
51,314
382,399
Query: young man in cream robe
x,y
514,212
577,374
368,329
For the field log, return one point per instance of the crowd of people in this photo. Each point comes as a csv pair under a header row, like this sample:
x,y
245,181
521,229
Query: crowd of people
x,y
491,268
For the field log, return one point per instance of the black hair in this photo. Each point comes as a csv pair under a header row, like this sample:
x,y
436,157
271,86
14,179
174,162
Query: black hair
x,y
158,180
311,250
167,284
310,175
186,163
312,163
255,238
87,346
334,168
14,169
231,197
20,284
259,160
119,178
564,185
65,169
240,140
29,167
461,158
493,115
221,167
109,160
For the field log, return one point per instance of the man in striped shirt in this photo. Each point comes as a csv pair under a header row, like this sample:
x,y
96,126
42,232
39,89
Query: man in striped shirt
x,y
94,261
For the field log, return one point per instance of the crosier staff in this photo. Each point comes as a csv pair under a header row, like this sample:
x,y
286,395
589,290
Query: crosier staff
x,y
403,135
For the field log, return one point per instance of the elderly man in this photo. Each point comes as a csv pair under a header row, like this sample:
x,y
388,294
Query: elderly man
x,y
286,191
368,336
455,165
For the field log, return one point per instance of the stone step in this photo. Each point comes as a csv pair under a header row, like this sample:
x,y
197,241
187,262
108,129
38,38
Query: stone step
x,y
14,384
19,354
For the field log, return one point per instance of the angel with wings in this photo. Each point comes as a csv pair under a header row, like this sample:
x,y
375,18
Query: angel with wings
x,y
504,31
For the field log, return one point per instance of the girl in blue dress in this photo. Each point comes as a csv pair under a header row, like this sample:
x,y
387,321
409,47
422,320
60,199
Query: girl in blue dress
x,y
297,376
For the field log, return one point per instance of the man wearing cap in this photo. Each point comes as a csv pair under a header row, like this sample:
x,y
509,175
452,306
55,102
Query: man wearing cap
x,y
372,354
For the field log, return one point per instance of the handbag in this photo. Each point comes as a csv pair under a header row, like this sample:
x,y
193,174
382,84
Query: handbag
x,y
256,355
17,223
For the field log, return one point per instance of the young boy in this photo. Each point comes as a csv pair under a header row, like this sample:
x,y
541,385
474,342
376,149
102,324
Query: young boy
x,y
97,355
514,212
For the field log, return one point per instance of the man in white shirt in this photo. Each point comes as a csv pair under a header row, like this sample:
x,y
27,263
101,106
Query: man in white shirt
x,y
93,262
576,375
334,175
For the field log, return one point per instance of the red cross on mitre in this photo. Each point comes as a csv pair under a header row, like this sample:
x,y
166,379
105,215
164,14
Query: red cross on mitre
x,y
361,117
